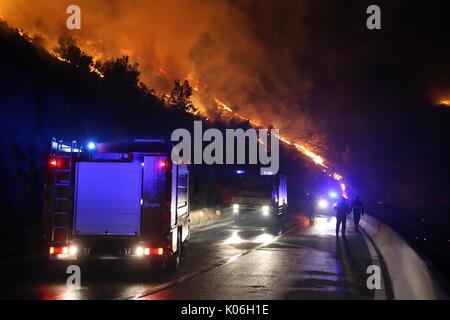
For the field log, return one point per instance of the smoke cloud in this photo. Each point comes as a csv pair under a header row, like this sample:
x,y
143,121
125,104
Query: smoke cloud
x,y
243,53
310,68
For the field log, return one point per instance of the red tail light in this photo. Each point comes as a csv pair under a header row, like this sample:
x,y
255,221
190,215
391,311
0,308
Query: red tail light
x,y
153,251
162,164
53,163
58,250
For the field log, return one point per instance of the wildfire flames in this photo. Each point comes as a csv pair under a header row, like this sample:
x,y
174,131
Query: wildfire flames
x,y
445,102
91,68
209,43
317,159
300,147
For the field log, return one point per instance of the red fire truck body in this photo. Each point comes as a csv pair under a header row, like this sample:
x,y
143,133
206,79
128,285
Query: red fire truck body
x,y
119,200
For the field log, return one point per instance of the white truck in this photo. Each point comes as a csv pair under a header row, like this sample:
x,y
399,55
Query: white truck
x,y
118,200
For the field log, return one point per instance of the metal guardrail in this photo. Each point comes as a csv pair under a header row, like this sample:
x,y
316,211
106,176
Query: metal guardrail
x,y
410,275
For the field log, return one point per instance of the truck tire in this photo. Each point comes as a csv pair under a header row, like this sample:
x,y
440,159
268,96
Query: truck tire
x,y
173,261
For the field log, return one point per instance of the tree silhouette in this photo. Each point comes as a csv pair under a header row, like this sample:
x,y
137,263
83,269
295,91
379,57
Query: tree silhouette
x,y
180,97
68,50
121,72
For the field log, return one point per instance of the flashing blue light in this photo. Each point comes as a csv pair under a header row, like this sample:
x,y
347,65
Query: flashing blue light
x,y
240,171
333,194
91,145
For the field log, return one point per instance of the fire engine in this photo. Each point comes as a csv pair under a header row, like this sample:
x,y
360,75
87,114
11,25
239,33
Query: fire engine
x,y
116,200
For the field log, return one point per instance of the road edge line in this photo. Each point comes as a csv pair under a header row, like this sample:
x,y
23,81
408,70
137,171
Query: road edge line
x,y
388,289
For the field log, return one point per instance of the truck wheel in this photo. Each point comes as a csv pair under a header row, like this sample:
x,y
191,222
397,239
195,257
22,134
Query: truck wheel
x,y
183,251
173,261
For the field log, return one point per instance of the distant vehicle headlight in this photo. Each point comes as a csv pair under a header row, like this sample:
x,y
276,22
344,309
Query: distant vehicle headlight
x,y
265,210
333,194
322,204
235,208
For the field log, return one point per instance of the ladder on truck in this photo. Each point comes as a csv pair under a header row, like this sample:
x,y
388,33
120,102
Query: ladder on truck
x,y
62,193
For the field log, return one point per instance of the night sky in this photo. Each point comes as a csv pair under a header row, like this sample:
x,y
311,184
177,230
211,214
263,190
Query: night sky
x,y
375,95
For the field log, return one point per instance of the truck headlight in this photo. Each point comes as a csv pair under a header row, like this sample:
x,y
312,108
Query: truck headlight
x,y
73,250
235,208
139,251
265,210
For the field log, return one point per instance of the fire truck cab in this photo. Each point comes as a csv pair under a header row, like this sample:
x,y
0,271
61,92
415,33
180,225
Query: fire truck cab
x,y
117,200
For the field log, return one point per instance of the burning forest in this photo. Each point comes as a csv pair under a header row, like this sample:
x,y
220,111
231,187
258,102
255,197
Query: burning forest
x,y
204,42
233,65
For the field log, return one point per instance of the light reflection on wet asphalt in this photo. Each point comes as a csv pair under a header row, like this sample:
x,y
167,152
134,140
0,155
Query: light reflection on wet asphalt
x,y
247,261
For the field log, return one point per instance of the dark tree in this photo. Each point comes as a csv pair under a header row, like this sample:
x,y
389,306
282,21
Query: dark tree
x,y
180,97
68,50
120,72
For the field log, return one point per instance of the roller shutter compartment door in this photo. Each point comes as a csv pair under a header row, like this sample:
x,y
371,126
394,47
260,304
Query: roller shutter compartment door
x,y
108,198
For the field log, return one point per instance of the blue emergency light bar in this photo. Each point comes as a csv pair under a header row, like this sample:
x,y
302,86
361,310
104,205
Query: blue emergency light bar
x,y
91,146
63,147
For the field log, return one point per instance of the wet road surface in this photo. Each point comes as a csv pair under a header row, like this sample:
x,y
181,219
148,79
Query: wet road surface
x,y
226,261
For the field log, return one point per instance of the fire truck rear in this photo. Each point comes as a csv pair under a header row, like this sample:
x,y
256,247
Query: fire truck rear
x,y
119,200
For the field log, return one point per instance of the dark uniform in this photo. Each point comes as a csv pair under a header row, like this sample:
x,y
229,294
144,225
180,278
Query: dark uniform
x,y
358,211
310,203
342,209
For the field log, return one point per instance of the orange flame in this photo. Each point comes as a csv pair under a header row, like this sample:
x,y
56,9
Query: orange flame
x,y
223,107
302,148
319,160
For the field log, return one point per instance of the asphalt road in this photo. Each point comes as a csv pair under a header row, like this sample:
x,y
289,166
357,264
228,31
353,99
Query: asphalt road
x,y
225,261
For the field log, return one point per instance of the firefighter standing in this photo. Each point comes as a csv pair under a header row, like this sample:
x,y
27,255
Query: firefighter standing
x,y
310,202
358,211
342,209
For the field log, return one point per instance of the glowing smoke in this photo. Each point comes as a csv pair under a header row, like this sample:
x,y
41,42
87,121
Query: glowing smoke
x,y
214,44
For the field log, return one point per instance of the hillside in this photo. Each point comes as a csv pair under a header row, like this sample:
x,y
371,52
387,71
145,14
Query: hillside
x,y
43,97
